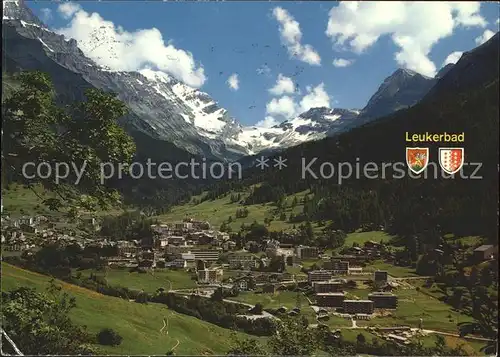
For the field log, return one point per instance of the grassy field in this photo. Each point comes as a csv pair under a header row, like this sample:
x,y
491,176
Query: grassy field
x,y
361,237
149,282
18,200
473,348
393,270
217,211
138,324
280,298
413,306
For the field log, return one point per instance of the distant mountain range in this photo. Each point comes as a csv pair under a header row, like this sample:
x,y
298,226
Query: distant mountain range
x,y
169,111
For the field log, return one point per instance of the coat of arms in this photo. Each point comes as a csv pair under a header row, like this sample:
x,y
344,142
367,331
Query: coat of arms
x,y
451,160
417,159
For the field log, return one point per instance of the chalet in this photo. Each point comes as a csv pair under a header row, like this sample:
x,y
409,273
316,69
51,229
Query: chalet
x,y
286,276
29,229
176,240
161,243
147,264
380,276
243,283
485,252
29,221
203,225
162,229
183,226
269,289
261,278
372,245
202,238
228,245
126,248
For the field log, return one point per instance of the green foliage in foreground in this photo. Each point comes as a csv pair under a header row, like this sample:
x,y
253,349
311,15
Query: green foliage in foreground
x,y
39,323
140,325
294,338
82,136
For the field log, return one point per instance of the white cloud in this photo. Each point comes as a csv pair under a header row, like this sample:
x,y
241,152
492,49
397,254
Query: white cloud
x,y
111,46
342,62
316,97
284,85
452,58
46,14
291,36
497,22
287,108
487,34
284,107
68,9
415,27
233,82
268,122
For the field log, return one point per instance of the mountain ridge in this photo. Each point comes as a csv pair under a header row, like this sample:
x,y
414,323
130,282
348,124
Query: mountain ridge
x,y
168,110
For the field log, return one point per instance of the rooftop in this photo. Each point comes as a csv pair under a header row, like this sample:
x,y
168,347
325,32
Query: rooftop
x,y
483,248
359,301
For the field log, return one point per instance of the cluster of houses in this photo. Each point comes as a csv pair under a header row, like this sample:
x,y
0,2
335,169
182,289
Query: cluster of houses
x,y
28,233
176,245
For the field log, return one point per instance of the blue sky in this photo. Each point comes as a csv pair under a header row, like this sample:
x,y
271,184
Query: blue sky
x,y
252,41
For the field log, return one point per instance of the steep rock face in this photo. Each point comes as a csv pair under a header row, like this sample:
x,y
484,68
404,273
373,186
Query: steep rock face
x,y
403,89
160,106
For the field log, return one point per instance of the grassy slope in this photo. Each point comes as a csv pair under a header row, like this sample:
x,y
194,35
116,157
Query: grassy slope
x,y
218,210
138,324
167,279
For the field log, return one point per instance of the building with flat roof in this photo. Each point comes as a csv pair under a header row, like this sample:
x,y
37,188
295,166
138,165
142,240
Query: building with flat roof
x,y
327,286
206,255
242,261
304,252
338,266
383,300
358,306
319,275
330,299
210,276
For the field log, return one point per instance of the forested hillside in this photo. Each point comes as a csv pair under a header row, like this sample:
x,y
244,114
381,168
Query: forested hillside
x,y
405,206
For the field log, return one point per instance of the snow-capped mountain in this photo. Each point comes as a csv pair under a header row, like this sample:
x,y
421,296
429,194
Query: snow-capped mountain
x,y
168,110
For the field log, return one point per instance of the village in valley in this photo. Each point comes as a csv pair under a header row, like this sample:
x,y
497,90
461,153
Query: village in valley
x,y
357,288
